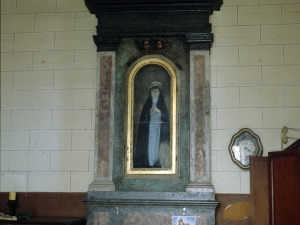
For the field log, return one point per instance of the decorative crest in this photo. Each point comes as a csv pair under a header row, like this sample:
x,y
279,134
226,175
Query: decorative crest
x,y
155,45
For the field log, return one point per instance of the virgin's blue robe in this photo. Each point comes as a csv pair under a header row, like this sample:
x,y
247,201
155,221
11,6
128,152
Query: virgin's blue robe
x,y
140,156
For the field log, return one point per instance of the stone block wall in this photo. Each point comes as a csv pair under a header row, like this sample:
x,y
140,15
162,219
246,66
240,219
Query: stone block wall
x,y
48,89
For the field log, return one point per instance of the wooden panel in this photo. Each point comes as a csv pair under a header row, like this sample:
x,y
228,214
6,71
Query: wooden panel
x,y
284,170
50,204
47,221
259,193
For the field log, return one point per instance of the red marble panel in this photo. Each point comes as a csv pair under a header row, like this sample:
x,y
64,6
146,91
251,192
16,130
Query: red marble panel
x,y
101,218
141,218
199,155
104,115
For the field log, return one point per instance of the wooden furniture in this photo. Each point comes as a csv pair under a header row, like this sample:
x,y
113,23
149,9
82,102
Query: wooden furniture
x,y
55,208
47,220
284,187
259,193
47,204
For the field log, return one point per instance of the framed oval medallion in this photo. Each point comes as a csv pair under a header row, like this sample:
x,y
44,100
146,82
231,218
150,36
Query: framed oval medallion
x,y
244,145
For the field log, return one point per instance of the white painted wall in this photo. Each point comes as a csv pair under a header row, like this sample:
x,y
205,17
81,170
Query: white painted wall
x,y
255,80
48,66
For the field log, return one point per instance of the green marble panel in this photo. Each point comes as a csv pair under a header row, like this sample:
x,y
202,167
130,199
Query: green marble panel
x,y
126,51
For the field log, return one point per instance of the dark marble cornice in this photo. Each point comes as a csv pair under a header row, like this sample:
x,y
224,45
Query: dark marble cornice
x,y
148,18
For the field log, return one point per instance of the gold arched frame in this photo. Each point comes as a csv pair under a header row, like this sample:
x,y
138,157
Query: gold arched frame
x,y
129,119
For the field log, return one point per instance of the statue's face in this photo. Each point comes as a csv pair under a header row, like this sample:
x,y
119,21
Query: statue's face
x,y
154,93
